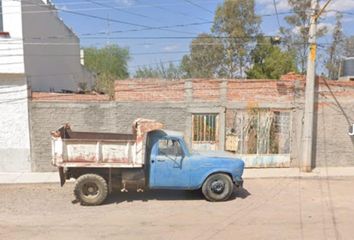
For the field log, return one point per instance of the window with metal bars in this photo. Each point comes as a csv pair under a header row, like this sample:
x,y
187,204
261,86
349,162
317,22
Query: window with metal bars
x,y
204,127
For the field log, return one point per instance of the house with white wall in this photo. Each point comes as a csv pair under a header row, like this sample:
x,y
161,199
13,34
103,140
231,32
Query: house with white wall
x,y
37,43
38,52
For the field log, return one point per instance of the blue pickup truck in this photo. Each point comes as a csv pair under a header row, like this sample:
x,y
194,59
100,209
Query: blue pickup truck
x,y
150,158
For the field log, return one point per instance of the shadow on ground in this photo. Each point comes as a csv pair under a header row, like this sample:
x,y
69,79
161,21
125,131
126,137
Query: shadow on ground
x,y
166,195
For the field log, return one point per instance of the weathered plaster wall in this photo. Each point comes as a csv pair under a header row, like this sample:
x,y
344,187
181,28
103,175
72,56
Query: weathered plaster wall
x,y
51,50
14,125
11,48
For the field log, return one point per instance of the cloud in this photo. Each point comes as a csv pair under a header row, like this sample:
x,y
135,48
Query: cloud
x,y
283,5
127,3
171,47
341,5
268,5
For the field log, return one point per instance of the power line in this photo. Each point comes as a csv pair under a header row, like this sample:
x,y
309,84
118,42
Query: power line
x,y
76,55
198,6
119,21
276,12
175,12
145,27
120,10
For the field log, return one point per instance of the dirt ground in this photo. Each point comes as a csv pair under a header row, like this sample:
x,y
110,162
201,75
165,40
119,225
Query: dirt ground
x,y
265,209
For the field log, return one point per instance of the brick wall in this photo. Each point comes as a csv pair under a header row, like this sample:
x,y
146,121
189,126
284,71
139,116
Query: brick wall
x,y
206,90
260,90
210,90
149,90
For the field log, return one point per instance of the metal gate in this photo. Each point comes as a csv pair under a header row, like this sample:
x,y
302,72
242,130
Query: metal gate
x,y
205,129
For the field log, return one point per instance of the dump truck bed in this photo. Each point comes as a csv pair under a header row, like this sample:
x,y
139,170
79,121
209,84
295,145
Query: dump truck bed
x,y
101,150
89,149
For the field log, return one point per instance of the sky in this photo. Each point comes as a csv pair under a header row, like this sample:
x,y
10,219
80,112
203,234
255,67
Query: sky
x,y
134,24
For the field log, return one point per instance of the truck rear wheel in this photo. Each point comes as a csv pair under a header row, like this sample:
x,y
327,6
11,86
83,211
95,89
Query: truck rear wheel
x,y
91,189
217,187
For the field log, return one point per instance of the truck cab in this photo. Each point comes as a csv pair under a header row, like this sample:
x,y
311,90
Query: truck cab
x,y
173,166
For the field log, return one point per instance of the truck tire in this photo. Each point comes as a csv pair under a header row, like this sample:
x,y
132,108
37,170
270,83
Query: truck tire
x,y
91,189
217,187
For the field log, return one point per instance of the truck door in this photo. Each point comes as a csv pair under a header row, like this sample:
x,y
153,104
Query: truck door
x,y
169,165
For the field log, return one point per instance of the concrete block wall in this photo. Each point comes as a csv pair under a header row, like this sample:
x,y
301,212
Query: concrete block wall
x,y
173,103
47,116
334,118
334,146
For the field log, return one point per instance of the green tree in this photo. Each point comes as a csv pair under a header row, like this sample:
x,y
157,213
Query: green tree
x,y
204,60
349,47
296,35
160,71
236,23
269,61
336,49
109,63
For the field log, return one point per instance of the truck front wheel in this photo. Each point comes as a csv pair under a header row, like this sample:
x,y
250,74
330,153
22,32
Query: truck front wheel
x,y
217,187
91,189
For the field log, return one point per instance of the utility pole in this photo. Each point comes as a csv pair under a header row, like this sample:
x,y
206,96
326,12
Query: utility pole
x,y
307,142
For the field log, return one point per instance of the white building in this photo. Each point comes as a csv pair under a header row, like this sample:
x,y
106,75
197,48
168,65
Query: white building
x,y
38,52
37,43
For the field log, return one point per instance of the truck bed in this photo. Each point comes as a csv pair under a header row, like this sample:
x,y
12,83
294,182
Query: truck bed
x,y
102,150
90,149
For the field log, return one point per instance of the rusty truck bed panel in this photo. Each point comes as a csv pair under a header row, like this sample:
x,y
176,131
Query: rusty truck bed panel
x,y
101,150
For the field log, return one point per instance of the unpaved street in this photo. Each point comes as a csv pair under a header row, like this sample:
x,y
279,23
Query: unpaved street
x,y
266,209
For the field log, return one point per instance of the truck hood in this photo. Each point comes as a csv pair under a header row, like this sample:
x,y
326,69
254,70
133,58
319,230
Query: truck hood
x,y
217,154
218,159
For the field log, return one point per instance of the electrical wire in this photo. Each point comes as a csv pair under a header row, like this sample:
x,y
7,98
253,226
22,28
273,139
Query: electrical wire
x,y
145,27
121,10
176,12
276,12
198,6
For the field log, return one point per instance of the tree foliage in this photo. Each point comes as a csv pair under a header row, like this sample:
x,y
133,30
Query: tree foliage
x,y
236,23
336,49
296,35
109,64
160,71
349,47
206,53
269,61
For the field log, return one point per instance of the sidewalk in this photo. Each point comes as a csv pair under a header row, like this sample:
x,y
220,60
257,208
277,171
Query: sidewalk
x,y
53,177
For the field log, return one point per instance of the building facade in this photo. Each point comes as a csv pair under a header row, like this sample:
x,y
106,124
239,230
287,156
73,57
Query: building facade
x,y
34,41
38,52
260,121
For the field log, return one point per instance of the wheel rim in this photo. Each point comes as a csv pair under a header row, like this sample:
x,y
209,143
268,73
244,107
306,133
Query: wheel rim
x,y
90,190
217,186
